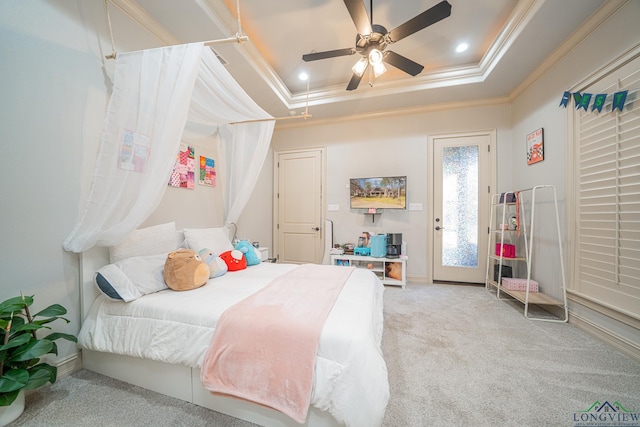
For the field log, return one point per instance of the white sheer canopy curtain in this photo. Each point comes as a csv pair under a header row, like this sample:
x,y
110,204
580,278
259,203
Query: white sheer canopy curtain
x,y
155,92
242,147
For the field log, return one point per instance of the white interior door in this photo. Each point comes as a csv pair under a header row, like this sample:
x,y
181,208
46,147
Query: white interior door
x,y
299,214
461,198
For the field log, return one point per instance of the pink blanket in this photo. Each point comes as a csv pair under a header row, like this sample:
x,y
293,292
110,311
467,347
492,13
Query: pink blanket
x,y
264,347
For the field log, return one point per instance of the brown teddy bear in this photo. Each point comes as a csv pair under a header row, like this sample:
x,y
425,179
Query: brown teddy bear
x,y
185,270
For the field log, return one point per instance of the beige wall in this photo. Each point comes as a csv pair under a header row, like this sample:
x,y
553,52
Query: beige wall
x,y
199,207
393,145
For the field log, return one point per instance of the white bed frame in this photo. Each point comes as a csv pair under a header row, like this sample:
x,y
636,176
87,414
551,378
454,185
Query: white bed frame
x,y
178,381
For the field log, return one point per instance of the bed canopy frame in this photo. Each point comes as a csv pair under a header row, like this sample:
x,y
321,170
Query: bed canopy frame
x,y
156,93
238,38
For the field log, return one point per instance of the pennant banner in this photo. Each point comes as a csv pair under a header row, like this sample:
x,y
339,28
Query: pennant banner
x,y
598,102
583,100
618,100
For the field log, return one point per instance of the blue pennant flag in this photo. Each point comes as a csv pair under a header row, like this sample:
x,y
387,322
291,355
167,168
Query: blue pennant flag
x,y
598,102
565,99
618,100
584,101
577,97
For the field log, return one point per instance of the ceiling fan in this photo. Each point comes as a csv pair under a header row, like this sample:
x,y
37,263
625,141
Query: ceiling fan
x,y
372,39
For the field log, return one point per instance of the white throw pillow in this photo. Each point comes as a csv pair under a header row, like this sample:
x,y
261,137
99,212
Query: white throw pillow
x,y
158,239
132,277
215,239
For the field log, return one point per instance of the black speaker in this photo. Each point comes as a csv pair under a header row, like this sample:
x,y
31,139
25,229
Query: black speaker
x,y
506,271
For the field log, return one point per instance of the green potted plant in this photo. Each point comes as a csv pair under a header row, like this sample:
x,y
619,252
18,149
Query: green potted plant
x,y
21,348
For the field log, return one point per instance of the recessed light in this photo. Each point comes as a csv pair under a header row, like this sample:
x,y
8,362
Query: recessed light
x,y
462,47
303,76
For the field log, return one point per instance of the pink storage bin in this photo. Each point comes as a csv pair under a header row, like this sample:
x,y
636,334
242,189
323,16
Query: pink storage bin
x,y
514,284
508,251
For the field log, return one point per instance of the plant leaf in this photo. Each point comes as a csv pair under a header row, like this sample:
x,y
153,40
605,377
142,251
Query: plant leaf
x,y
26,327
31,350
15,304
14,379
51,311
57,335
16,341
7,399
48,320
40,375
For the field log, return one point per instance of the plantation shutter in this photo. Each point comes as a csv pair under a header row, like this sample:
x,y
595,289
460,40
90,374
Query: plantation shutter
x,y
608,195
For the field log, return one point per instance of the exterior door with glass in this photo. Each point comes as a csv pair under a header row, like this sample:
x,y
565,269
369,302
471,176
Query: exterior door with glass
x,y
461,198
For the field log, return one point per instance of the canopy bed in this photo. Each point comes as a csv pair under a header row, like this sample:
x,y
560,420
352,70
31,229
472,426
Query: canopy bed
x,y
159,338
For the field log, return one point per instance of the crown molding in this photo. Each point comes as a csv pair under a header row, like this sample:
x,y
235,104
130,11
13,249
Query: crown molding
x,y
423,109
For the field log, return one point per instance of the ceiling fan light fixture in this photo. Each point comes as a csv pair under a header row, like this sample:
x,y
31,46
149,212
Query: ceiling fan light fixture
x,y
375,57
360,66
379,69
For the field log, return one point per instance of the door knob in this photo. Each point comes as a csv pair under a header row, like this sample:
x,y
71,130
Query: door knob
x,y
439,228
315,228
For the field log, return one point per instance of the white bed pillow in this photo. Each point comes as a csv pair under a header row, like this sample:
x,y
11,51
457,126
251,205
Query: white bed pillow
x,y
132,277
215,239
158,239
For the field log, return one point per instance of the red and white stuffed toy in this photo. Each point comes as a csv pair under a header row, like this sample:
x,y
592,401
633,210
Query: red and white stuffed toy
x,y
234,259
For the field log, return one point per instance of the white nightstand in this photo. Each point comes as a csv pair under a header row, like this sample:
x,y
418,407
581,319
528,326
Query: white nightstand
x,y
264,253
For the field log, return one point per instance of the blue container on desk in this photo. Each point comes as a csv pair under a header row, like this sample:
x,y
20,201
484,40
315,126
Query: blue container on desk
x,y
362,251
378,245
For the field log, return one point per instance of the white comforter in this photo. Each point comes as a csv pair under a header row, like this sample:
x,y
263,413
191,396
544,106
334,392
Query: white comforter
x,y
177,327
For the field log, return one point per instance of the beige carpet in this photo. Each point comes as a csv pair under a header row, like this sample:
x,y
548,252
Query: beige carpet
x,y
456,356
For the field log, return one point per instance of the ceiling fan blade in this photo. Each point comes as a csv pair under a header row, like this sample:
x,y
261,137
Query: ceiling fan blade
x,y
359,16
402,63
328,54
355,80
428,17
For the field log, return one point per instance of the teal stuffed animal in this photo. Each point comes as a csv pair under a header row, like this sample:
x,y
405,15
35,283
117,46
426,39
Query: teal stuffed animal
x,y
217,266
250,253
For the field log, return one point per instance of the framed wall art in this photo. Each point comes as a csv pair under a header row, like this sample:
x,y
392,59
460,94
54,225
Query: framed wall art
x,y
207,171
183,174
535,147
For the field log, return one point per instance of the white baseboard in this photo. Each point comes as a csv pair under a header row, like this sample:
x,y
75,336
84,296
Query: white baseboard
x,y
619,343
69,365
417,279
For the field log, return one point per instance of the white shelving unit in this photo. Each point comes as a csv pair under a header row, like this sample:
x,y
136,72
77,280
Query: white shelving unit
x,y
378,265
502,232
